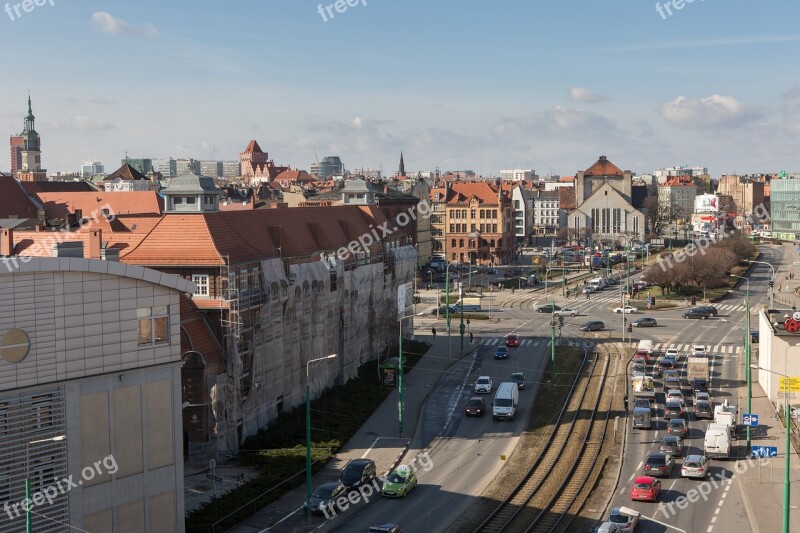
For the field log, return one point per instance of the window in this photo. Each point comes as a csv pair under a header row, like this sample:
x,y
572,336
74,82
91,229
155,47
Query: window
x,y
461,242
256,280
453,244
209,200
153,325
494,228
190,199
483,213
243,281
463,213
201,280
472,226
177,200
483,226
472,213
452,228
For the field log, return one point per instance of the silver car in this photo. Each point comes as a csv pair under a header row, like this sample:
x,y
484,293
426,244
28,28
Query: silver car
x,y
696,467
625,518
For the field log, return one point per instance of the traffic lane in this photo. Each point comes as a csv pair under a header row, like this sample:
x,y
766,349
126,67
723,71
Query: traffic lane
x,y
462,464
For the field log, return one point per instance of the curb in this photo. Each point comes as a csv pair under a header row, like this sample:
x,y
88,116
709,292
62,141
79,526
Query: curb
x,y
399,458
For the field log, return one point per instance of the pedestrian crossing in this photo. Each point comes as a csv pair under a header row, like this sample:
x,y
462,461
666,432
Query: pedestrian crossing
x,y
488,341
614,298
683,349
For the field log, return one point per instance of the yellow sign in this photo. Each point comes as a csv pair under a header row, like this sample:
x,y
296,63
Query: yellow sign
x,y
794,384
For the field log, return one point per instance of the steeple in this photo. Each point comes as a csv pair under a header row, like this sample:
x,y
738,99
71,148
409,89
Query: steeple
x,y
402,170
29,119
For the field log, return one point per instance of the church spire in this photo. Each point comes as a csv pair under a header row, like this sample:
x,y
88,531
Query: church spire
x,y
29,118
402,170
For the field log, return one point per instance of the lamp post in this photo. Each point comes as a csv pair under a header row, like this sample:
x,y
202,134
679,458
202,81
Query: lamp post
x,y
788,451
400,373
308,434
447,308
772,289
747,340
28,521
553,336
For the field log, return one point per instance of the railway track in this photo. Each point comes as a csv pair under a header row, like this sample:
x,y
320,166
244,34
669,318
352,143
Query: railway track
x,y
560,454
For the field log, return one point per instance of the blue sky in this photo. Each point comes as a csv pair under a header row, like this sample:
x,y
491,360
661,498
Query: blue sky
x,y
458,85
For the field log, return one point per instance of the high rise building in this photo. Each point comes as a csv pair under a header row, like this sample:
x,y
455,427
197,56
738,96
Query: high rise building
x,y
92,168
211,168
231,169
16,153
30,158
187,166
518,174
167,167
329,166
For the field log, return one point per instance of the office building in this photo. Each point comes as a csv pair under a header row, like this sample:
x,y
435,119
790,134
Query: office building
x,y
92,168
142,165
329,166
167,167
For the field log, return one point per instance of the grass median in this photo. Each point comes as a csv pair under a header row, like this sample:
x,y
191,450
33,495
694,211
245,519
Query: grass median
x,y
279,452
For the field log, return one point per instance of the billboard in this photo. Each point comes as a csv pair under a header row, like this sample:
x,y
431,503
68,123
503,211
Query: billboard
x,y
706,203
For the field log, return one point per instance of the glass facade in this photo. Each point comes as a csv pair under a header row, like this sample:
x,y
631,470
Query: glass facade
x,y
785,208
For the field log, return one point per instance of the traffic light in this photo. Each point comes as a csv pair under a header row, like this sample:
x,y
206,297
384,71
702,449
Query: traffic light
x,y
694,300
772,284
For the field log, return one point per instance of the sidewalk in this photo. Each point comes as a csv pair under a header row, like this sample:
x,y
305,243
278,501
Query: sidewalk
x,y
379,437
761,484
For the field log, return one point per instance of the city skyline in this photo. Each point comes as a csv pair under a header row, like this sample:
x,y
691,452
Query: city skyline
x,y
547,87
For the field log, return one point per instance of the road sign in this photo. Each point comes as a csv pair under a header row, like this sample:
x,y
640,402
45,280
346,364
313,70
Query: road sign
x,y
782,174
764,451
749,419
794,384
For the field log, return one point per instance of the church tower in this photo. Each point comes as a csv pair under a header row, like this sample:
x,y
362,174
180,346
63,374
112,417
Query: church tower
x,y
402,170
30,153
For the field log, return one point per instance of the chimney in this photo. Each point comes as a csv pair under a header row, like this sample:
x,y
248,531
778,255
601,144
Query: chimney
x,y
6,242
95,243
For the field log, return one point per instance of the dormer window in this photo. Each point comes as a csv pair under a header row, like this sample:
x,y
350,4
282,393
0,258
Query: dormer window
x,y
190,199
177,200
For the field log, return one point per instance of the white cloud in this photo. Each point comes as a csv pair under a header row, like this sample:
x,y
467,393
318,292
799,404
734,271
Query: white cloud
x,y
709,112
83,123
582,94
558,122
114,26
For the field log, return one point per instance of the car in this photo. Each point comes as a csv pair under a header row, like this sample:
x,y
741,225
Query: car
x,y
671,373
608,527
699,385
675,394
673,352
698,350
625,518
673,409
659,464
642,403
627,309
664,364
709,308
324,495
671,357
696,313
475,407
519,379
639,360
501,352
671,444
645,322
754,336
357,472
703,409
639,368
493,271
696,467
547,308
677,426
589,289
645,488
671,382
592,325
702,396
399,482
483,385
644,354
512,341
567,311
385,528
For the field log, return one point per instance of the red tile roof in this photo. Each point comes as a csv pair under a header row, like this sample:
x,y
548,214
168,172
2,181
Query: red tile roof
x,y
58,204
603,167
252,147
198,333
35,187
566,198
14,201
462,192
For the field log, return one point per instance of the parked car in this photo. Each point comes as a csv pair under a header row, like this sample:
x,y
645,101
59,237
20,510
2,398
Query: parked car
x,y
696,467
519,379
501,352
512,340
696,313
673,409
385,528
677,426
324,495
483,385
703,409
475,406
625,518
399,482
645,322
659,464
567,311
645,488
627,309
672,445
593,325
357,472
547,308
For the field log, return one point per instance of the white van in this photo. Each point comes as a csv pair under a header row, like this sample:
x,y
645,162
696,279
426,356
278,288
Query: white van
x,y
505,402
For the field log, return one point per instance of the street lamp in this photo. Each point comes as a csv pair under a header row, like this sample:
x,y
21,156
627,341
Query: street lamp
x,y
788,451
308,433
772,289
28,522
747,351
400,372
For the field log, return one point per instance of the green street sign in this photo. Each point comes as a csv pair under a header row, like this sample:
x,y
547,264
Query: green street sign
x,y
782,174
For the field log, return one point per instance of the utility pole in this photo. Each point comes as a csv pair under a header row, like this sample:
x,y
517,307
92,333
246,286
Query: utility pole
x,y
553,336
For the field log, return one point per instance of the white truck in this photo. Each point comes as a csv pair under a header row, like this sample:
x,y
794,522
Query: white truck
x,y
469,304
728,415
717,443
643,387
505,402
697,368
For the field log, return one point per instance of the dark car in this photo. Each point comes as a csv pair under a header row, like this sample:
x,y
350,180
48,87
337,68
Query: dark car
x,y
475,407
512,341
665,364
699,385
659,464
519,379
501,352
754,336
645,322
642,403
672,382
547,308
357,472
696,313
710,308
593,325
326,494
673,409
672,445
677,426
703,409
385,528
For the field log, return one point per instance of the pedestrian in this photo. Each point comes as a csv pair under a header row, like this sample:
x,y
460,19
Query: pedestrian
x,y
433,331
512,290
626,403
470,337
587,295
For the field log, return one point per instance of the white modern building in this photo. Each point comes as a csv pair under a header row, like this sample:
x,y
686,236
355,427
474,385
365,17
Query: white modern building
x,y
518,174
90,390
92,168
523,214
547,217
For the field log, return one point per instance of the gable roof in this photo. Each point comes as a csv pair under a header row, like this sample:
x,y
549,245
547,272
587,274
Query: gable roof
x,y
59,204
462,192
126,173
252,146
15,202
567,198
603,167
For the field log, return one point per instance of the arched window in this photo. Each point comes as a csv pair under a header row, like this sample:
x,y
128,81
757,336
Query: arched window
x,y
472,213
500,243
491,243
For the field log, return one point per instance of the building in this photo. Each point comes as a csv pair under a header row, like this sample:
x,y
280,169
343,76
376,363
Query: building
x,y
419,188
547,216
186,166
126,179
518,174
256,166
785,208
30,154
191,193
16,143
748,192
677,197
167,167
779,352
607,205
142,165
663,174
211,168
329,166
90,390
523,202
92,168
231,169
369,174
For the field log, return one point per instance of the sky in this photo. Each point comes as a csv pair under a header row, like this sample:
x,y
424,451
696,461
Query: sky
x,y
453,84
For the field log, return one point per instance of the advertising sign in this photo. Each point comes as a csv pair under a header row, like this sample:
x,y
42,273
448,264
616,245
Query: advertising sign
x,y
706,203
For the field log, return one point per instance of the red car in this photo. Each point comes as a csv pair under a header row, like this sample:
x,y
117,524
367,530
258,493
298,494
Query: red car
x,y
645,488
643,354
512,341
